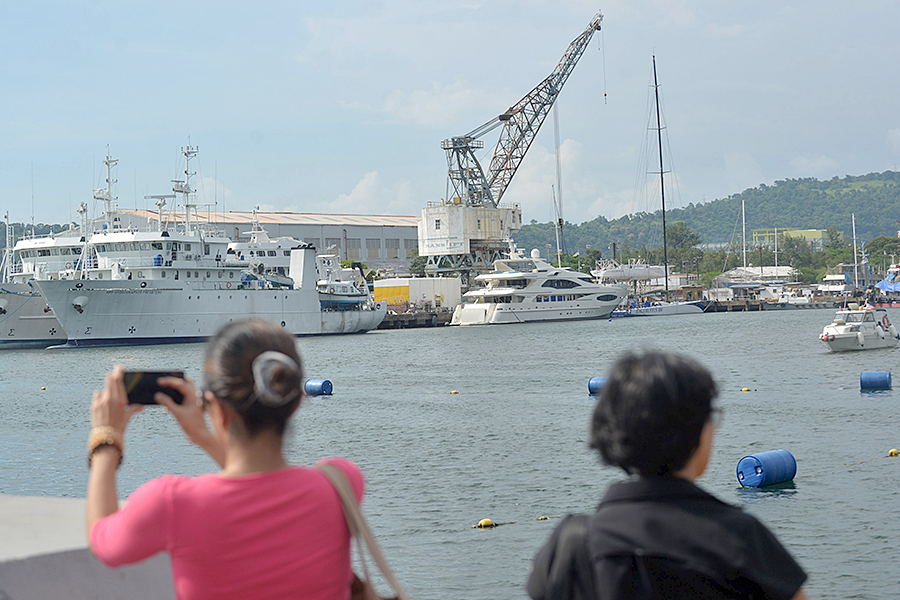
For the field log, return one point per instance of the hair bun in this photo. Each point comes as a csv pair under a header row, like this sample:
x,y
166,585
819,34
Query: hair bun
x,y
269,378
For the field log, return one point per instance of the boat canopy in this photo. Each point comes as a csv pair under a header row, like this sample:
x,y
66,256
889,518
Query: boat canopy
x,y
891,283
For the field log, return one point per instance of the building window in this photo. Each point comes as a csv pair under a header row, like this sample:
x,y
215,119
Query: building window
x,y
336,242
373,248
411,247
392,248
353,245
314,241
437,224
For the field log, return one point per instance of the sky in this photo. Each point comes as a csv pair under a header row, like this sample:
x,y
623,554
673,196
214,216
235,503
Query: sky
x,y
340,107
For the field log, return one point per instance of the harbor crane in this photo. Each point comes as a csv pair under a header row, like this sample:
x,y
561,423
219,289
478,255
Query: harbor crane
x,y
465,233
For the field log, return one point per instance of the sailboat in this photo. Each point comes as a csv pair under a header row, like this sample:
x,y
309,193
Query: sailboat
x,y
637,306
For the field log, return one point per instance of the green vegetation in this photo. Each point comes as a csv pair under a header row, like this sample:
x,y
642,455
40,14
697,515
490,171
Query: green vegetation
x,y
705,238
801,203
40,229
417,265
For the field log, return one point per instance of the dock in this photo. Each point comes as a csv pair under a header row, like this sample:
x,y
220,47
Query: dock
x,y
736,306
419,318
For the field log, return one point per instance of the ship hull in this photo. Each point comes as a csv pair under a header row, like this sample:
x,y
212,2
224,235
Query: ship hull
x,y
26,320
110,313
490,313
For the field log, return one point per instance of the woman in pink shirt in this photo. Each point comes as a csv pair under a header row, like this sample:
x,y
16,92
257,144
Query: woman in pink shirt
x,y
259,528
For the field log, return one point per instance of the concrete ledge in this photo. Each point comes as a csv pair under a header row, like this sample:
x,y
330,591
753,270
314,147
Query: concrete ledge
x,y
44,556
77,575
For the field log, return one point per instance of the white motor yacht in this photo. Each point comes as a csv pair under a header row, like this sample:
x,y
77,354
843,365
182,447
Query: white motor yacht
x,y
854,328
522,290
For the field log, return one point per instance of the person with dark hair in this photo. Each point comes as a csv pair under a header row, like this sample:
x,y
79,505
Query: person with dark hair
x,y
657,535
259,528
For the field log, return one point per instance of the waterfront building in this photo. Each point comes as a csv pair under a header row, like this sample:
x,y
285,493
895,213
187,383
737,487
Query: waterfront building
x,y
380,241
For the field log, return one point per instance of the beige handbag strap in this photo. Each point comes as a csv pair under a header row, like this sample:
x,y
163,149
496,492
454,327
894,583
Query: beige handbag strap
x,y
358,527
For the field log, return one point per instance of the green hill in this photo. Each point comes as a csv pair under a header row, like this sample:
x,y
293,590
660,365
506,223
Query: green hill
x,y
802,203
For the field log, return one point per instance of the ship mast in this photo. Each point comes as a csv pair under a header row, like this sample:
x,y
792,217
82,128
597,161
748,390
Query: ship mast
x,y
8,253
662,187
105,195
183,187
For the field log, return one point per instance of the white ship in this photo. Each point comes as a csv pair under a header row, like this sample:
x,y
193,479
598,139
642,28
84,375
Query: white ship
x,y
26,321
169,287
521,290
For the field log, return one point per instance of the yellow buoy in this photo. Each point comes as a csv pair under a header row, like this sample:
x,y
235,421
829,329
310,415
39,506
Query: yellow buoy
x,y
485,524
453,392
542,519
745,389
893,452
43,388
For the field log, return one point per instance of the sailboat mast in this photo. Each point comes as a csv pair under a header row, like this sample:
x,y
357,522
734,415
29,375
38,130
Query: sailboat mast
x,y
662,187
855,260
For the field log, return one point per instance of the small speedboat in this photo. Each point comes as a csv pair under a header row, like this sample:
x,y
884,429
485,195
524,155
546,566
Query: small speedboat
x,y
856,328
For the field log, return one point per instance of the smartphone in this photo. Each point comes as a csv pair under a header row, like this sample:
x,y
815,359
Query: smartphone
x,y
142,385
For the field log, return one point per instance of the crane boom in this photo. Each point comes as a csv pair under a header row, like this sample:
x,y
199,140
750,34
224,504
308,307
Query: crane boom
x,y
520,125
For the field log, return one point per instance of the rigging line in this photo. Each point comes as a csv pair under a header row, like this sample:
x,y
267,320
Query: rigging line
x,y
673,181
559,194
601,46
731,242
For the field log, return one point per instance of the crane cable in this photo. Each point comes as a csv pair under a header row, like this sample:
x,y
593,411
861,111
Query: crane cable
x,y
601,47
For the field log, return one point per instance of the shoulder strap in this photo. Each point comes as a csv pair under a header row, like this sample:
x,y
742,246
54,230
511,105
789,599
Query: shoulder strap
x,y
357,524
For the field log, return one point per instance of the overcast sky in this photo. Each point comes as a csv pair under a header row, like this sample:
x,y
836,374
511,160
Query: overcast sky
x,y
341,106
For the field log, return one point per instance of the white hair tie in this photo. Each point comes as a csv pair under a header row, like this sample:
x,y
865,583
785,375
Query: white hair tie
x,y
263,367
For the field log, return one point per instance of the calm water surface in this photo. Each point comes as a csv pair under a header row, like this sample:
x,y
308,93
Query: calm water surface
x,y
512,444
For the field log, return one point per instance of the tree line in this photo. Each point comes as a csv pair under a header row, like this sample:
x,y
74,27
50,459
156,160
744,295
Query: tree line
x,y
706,238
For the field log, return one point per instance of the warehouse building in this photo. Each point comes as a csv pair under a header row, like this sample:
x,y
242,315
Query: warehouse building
x,y
380,241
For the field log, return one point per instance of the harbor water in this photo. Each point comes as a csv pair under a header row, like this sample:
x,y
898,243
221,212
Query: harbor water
x,y
511,445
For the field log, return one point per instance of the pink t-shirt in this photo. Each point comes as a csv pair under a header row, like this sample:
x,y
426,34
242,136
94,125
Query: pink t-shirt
x,y
269,535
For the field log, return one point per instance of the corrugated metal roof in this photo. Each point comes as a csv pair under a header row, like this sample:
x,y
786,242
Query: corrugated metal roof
x,y
284,218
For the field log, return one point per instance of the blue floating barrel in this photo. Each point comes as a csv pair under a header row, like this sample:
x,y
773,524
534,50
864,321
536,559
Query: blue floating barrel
x,y
766,468
875,380
318,387
595,385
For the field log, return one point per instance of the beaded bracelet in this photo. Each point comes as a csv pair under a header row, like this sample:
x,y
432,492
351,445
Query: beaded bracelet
x,y
105,436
